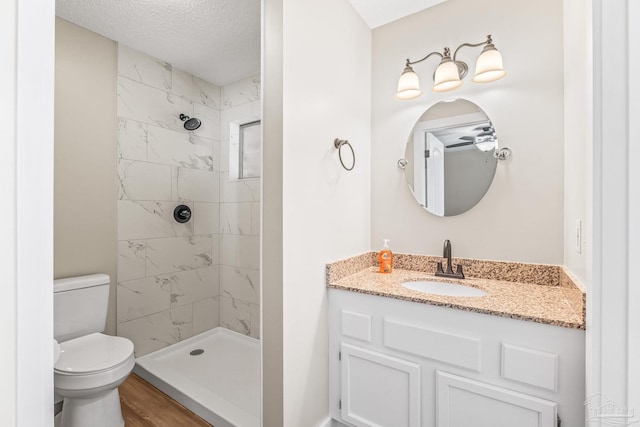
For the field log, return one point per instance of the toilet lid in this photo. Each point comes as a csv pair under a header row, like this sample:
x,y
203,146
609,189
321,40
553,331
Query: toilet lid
x,y
93,353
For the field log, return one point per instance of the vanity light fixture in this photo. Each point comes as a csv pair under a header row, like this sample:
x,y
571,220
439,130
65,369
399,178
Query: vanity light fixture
x,y
449,74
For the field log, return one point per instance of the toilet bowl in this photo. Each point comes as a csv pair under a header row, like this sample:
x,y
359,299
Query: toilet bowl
x,y
91,364
87,374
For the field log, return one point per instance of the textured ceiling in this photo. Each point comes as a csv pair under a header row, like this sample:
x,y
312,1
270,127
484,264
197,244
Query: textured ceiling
x,y
217,40
379,12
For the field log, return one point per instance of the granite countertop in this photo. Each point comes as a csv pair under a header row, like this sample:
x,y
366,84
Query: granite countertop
x,y
534,292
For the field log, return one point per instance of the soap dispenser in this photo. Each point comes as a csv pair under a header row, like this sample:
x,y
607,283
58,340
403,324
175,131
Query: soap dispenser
x,y
385,258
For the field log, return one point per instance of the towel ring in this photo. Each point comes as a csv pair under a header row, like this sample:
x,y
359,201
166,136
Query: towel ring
x,y
339,143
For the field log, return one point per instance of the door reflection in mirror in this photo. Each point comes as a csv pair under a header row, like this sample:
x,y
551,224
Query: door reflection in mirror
x,y
450,153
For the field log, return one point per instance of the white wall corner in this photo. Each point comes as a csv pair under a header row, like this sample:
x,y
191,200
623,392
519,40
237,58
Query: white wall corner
x,y
34,209
8,217
612,320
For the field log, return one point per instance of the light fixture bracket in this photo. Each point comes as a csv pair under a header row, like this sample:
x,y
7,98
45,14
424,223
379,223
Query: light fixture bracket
x,y
463,68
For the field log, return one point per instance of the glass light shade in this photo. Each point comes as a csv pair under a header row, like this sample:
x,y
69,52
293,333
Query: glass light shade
x,y
447,77
486,145
408,85
489,66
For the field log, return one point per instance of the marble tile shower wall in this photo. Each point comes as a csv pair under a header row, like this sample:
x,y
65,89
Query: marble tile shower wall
x,y
239,218
169,274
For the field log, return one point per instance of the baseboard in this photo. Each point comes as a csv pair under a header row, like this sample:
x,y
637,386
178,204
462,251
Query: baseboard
x,y
330,422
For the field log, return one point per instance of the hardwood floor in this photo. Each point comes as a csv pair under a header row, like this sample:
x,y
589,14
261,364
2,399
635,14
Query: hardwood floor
x,y
143,405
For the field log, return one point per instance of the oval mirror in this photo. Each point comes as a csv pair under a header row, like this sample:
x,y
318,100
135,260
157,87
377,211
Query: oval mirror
x,y
450,160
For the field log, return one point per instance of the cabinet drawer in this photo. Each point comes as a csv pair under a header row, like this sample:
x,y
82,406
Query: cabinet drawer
x,y
441,346
530,366
355,325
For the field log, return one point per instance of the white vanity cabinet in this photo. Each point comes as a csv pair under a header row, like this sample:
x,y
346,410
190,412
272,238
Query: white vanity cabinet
x,y
397,363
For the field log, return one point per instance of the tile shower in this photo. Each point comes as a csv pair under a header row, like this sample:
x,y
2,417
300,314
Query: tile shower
x,y
177,280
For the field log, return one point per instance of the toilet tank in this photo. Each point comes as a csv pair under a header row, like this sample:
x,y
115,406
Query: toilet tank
x,y
80,306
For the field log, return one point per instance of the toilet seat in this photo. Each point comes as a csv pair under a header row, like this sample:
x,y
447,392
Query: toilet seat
x,y
92,364
93,354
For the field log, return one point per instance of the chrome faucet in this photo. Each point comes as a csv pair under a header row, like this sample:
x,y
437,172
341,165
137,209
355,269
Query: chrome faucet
x,y
446,253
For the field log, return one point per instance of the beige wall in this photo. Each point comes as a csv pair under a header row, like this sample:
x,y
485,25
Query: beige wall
x,y
521,216
85,156
578,138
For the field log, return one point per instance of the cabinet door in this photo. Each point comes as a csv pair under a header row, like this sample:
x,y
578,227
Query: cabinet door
x,y
378,390
462,402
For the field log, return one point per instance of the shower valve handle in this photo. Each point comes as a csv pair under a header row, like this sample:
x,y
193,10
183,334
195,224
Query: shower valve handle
x,y
182,213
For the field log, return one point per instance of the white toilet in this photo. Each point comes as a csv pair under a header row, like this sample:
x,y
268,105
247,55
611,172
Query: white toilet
x,y
91,365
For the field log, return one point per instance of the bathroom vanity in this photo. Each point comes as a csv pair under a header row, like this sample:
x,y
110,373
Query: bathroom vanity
x,y
400,357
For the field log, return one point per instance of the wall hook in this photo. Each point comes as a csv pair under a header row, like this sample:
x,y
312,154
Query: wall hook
x,y
339,143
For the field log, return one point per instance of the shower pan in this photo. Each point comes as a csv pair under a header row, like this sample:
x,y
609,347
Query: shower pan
x,y
215,374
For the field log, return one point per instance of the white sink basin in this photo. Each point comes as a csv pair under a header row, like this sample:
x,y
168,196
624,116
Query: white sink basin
x,y
441,288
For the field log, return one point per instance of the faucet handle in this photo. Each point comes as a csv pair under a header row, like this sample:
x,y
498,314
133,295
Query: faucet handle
x,y
439,268
459,271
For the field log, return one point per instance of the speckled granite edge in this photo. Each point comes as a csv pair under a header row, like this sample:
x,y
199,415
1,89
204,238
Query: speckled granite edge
x,y
566,286
348,266
541,274
569,280
509,315
574,291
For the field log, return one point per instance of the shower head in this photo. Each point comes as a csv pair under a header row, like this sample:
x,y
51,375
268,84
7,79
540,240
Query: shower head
x,y
190,123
